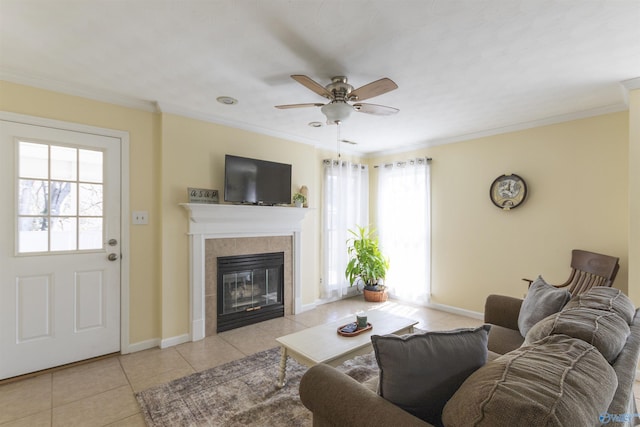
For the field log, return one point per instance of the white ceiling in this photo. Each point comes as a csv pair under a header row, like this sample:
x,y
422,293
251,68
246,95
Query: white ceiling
x,y
464,67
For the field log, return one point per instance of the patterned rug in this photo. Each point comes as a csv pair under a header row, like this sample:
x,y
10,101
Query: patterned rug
x,y
239,393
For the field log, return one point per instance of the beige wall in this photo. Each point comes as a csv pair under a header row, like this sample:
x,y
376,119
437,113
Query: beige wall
x,y
168,154
193,156
576,173
144,191
634,196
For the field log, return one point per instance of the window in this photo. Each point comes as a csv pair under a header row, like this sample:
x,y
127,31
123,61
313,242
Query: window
x,y
346,204
60,198
404,227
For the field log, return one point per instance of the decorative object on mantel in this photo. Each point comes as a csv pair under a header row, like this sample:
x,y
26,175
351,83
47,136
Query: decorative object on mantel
x,y
508,191
367,264
299,199
305,192
202,195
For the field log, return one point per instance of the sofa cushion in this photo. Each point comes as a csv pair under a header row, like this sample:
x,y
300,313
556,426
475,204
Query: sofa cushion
x,y
542,300
605,298
420,372
559,381
605,330
503,340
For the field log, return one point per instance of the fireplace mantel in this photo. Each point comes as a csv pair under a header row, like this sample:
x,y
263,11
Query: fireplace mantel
x,y
243,219
216,221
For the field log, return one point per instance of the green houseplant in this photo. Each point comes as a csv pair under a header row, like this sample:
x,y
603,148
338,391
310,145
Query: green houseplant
x,y
299,199
366,263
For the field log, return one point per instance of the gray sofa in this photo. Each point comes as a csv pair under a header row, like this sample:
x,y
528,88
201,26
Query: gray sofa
x,y
335,399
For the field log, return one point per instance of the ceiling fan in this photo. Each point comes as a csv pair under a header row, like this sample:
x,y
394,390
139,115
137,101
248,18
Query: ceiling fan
x,y
344,98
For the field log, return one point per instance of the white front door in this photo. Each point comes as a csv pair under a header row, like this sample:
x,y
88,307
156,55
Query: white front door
x,y
59,247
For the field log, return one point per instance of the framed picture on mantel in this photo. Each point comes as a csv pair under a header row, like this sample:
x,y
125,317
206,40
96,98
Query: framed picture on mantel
x,y
202,195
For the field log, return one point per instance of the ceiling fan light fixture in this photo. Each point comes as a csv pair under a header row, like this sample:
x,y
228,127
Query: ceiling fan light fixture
x,y
336,111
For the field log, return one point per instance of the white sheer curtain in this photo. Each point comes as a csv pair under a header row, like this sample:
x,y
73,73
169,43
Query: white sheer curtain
x,y
346,204
404,227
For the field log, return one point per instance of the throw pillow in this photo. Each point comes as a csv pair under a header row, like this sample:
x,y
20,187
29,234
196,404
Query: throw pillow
x,y
541,301
605,330
605,298
420,372
559,381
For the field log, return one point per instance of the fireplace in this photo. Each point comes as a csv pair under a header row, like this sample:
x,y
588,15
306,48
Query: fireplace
x,y
250,289
223,230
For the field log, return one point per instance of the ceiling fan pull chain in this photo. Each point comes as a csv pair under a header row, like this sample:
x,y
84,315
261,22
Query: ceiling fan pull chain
x,y
338,123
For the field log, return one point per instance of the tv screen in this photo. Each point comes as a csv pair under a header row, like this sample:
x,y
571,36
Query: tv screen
x,y
256,181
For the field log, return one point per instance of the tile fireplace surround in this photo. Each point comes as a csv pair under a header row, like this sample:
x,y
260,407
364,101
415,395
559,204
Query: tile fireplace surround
x,y
215,248
222,230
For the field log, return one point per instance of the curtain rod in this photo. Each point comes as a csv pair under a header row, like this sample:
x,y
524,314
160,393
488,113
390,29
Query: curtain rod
x,y
343,163
428,159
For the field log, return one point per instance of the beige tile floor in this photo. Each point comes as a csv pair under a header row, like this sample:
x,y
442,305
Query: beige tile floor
x,y
101,393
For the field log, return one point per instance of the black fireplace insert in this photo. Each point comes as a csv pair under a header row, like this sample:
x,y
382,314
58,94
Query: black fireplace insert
x,y
250,289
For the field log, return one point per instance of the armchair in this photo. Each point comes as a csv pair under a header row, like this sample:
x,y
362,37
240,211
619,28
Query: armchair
x,y
589,269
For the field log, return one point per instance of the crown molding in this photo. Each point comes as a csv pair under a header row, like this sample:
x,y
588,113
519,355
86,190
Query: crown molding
x,y
168,108
627,86
139,104
631,84
616,108
162,107
76,90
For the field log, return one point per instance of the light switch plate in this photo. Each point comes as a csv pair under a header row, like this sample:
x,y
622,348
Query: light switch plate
x,y
140,218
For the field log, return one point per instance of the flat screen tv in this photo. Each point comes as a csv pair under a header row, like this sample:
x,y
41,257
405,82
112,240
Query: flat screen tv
x,y
256,181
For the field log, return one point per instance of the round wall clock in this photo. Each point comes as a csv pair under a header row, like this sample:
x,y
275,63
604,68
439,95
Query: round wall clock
x,y
508,191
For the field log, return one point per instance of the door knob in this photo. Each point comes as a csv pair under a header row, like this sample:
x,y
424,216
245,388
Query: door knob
x,y
112,257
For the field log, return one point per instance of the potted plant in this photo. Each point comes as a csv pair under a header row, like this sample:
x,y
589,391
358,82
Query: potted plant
x,y
367,264
299,199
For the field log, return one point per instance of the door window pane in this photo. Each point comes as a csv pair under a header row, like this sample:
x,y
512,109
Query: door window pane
x,y
90,165
90,233
63,198
60,198
91,199
64,163
32,197
63,233
34,160
33,234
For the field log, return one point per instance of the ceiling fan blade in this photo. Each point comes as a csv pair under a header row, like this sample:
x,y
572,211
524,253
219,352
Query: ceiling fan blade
x,y
312,85
378,110
372,89
284,107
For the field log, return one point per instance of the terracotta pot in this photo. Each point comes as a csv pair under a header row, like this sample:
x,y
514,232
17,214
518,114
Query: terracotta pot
x,y
375,296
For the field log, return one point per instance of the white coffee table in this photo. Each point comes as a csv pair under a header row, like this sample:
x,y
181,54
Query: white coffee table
x,y
323,344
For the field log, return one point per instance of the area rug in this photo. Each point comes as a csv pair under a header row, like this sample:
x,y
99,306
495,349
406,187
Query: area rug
x,y
239,393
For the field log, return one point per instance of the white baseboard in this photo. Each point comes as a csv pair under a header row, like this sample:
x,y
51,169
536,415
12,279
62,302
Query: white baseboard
x,y
351,291
170,342
456,310
143,345
180,339
307,307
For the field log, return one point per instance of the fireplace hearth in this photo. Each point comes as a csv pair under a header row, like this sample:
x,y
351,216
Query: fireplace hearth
x,y
250,289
